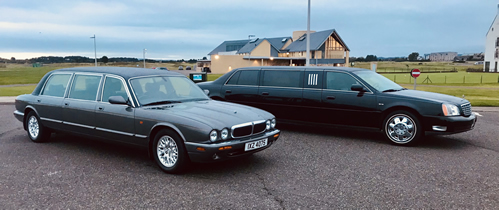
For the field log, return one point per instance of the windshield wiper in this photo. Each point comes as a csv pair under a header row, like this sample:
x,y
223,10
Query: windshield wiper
x,y
161,102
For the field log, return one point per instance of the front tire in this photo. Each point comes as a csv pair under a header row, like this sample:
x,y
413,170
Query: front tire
x,y
169,152
36,131
402,128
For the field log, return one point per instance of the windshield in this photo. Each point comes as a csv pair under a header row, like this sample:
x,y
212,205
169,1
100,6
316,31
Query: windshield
x,y
164,90
378,81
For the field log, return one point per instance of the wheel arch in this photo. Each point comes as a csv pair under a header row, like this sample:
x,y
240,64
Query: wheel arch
x,y
158,128
27,110
386,112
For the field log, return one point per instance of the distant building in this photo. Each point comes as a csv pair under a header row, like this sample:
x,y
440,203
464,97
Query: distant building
x,y
492,47
326,48
469,57
443,56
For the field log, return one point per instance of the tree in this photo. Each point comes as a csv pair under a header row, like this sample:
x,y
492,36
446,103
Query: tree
x,y
204,58
13,59
104,59
371,58
413,56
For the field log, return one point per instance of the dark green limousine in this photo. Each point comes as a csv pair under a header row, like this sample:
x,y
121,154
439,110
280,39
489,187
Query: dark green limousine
x,y
161,110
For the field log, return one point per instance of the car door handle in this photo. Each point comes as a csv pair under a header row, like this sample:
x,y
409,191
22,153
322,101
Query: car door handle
x,y
38,100
265,93
66,103
228,91
331,97
101,108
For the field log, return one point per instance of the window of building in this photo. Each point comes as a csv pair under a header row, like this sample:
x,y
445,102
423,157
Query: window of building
x,y
85,87
56,85
282,78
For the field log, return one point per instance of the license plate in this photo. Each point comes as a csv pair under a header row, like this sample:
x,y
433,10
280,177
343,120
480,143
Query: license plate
x,y
255,145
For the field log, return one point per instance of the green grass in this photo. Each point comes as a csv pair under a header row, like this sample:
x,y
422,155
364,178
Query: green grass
x,y
389,66
15,91
453,78
212,77
477,97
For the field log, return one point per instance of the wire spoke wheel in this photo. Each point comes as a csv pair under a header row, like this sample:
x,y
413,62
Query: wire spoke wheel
x,y
167,151
33,127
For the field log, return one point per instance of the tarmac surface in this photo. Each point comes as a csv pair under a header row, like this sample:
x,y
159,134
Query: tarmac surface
x,y
307,168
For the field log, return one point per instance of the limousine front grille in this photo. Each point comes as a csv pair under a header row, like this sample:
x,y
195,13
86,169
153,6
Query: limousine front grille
x,y
466,109
247,129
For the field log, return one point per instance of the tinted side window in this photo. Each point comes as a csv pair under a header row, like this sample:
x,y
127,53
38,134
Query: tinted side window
x,y
113,87
56,85
339,81
85,87
248,78
233,80
282,78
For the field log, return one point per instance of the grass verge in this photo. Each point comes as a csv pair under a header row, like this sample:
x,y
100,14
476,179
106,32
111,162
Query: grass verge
x,y
17,90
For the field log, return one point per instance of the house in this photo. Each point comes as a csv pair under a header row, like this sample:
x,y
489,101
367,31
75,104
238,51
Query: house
x,y
326,48
443,56
492,46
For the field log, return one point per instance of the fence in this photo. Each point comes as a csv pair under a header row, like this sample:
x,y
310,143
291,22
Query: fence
x,y
445,79
407,70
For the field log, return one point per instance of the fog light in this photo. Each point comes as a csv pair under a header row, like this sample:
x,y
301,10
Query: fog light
x,y
439,128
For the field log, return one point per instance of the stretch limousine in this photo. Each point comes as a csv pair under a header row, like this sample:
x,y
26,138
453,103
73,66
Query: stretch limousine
x,y
161,110
344,96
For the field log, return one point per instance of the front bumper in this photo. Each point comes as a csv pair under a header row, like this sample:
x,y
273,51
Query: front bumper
x,y
213,153
439,125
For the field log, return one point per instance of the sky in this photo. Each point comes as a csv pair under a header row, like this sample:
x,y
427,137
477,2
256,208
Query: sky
x,y
190,29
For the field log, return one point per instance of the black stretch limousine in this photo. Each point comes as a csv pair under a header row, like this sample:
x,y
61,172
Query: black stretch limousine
x,y
344,96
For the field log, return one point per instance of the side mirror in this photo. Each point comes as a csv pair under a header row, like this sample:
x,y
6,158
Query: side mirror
x,y
117,100
357,87
207,92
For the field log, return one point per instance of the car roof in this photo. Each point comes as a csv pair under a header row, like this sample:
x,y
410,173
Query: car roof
x,y
306,68
125,72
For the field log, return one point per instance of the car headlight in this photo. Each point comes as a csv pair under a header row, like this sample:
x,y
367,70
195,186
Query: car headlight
x,y
267,125
224,134
273,123
450,110
213,135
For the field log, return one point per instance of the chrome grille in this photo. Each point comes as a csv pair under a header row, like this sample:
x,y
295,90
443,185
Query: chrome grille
x,y
247,129
466,108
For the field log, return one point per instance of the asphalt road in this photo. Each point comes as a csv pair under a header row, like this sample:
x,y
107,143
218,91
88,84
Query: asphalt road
x,y
308,168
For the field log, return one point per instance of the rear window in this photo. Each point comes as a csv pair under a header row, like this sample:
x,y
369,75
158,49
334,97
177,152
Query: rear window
x,y
249,77
56,85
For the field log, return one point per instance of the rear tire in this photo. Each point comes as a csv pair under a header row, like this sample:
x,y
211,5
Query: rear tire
x,y
402,128
36,131
169,152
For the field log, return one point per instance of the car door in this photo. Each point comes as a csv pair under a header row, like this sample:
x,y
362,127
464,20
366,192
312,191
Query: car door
x,y
281,92
48,103
312,97
347,107
78,111
115,121
242,88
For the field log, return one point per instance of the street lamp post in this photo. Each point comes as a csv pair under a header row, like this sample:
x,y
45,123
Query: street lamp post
x,y
145,58
307,63
95,50
249,54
